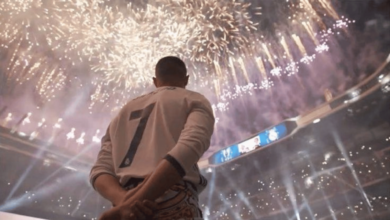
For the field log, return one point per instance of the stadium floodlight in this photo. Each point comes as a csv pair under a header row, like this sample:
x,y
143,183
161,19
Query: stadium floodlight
x,y
80,140
22,134
33,135
328,156
95,138
316,121
355,93
70,135
386,87
46,162
58,123
70,168
26,120
385,81
308,182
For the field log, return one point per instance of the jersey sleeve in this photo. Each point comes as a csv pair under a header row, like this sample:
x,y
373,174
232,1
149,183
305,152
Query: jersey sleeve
x,y
104,162
194,140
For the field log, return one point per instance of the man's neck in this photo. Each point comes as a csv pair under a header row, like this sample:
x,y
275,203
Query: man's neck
x,y
171,86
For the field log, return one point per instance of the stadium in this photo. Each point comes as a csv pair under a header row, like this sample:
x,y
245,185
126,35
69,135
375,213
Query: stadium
x,y
308,139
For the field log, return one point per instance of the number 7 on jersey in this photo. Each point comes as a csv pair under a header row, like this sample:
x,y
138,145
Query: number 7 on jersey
x,y
144,115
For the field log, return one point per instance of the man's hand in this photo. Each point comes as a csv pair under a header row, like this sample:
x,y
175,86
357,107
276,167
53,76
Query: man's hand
x,y
129,194
136,211
129,208
164,177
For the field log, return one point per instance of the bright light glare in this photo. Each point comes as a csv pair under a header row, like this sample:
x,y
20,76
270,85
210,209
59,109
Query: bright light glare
x,y
316,121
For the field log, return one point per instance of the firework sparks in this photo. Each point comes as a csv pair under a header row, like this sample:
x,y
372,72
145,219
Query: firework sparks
x,y
341,24
277,71
322,48
116,47
308,59
221,27
267,84
120,45
292,69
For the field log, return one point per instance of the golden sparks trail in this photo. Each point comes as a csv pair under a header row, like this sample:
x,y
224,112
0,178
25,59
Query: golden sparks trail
x,y
310,31
327,5
285,47
300,45
260,65
233,70
243,68
270,59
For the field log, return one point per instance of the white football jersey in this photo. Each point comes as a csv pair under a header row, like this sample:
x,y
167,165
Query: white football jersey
x,y
169,123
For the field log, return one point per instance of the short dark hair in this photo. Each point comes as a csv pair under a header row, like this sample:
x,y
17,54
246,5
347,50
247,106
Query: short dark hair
x,y
170,68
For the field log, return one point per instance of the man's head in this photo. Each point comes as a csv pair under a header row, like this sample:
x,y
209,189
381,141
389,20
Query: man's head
x,y
171,71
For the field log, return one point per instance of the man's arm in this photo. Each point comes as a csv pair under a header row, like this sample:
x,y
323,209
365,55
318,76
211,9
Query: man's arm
x,y
162,179
102,176
193,142
108,187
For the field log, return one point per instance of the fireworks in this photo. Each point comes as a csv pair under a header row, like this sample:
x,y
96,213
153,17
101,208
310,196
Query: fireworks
x,y
109,50
292,69
121,50
276,72
120,45
267,84
308,59
322,48
220,28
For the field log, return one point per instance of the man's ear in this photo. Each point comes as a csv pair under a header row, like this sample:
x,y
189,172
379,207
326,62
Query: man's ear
x,y
186,81
155,82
